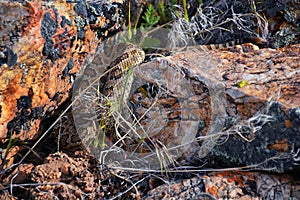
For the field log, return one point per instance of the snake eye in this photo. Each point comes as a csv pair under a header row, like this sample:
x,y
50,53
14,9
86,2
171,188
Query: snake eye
x,y
152,89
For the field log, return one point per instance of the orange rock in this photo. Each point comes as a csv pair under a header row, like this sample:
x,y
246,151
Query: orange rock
x,y
43,46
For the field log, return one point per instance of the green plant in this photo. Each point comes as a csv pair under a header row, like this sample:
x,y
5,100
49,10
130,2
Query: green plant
x,y
242,83
151,17
162,11
186,16
12,142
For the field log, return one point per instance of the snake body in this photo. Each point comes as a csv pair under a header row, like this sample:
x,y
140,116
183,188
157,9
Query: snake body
x,y
117,71
115,87
79,126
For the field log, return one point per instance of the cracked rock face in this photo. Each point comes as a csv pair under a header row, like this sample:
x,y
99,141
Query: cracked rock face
x,y
43,46
261,125
228,185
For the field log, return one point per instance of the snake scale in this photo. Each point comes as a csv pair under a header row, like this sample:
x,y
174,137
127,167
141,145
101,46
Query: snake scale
x,y
113,90
113,87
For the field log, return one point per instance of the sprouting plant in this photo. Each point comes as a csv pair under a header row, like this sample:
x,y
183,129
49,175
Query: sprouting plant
x,y
129,21
262,22
151,17
186,16
162,10
173,5
11,143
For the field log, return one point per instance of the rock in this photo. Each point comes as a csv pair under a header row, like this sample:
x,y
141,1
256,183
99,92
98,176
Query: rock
x,y
43,47
64,169
262,120
214,73
229,185
249,97
65,177
199,112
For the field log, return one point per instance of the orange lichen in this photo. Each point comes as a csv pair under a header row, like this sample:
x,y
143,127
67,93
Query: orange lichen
x,y
233,177
213,190
288,123
42,53
280,145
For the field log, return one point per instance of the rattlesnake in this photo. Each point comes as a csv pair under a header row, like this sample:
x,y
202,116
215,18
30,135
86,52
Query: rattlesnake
x,y
110,83
115,87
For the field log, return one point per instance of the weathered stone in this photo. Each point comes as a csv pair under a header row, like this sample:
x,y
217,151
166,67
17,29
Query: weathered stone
x,y
222,185
273,91
200,101
274,147
229,185
43,46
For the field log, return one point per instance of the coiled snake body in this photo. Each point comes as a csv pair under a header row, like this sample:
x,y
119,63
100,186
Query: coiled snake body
x,y
107,101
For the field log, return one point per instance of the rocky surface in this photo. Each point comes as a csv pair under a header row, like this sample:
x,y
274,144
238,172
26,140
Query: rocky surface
x,y
272,90
43,48
273,148
229,185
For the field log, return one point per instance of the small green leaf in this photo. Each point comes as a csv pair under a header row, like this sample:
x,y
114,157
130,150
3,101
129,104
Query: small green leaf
x,y
242,83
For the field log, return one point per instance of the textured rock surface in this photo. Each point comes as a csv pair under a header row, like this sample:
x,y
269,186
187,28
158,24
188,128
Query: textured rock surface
x,y
252,125
273,90
65,177
43,46
277,139
229,185
41,53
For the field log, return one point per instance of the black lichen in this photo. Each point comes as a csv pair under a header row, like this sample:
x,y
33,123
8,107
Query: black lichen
x,y
294,115
48,26
24,116
48,29
114,12
56,95
65,21
237,152
24,102
67,69
81,9
51,52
